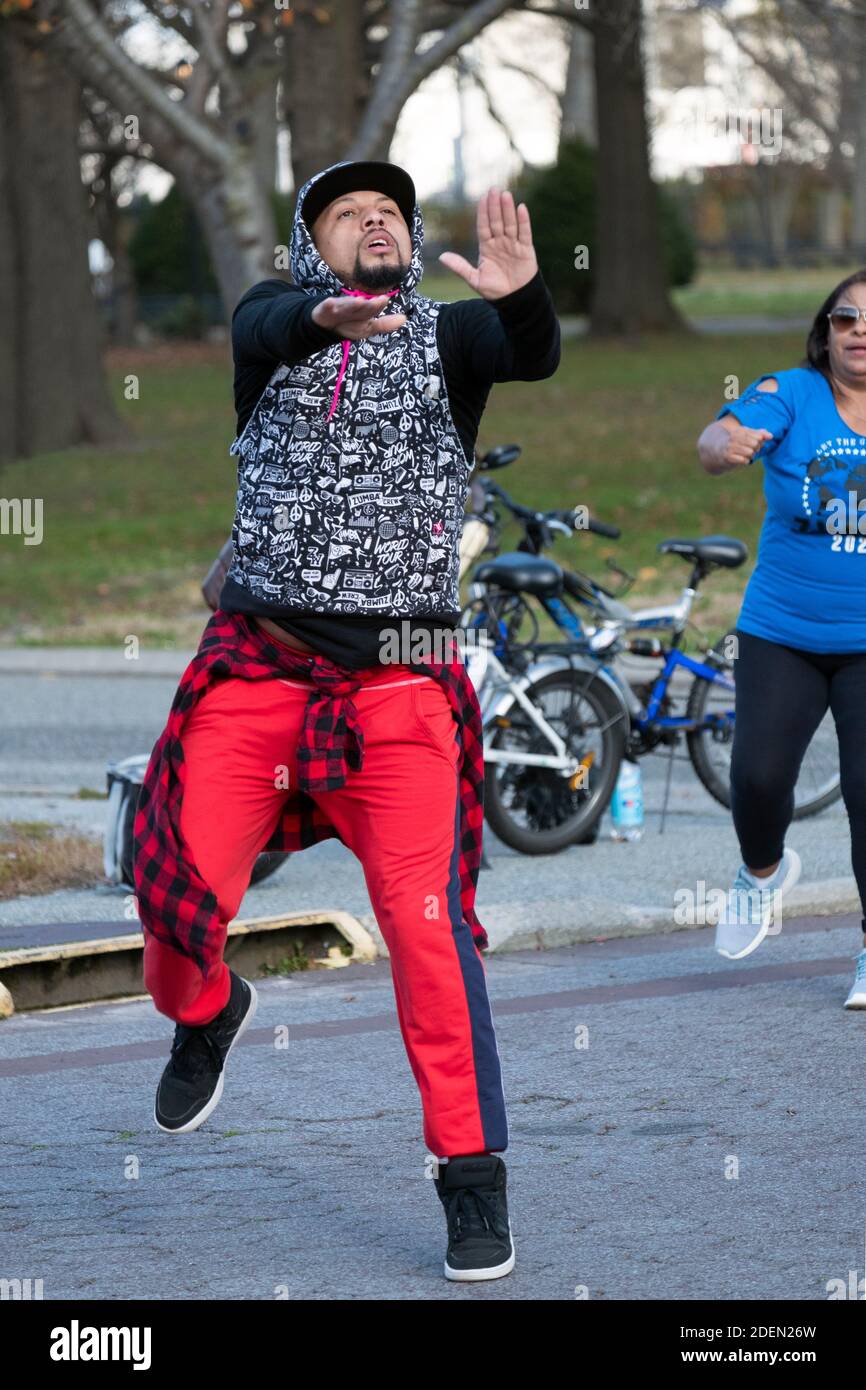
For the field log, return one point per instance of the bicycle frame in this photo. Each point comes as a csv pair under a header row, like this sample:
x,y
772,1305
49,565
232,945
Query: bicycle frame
x,y
612,621
558,760
499,696
669,617
678,660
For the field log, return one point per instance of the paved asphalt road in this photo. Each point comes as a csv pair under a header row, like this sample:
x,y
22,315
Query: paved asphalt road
x,y
310,1175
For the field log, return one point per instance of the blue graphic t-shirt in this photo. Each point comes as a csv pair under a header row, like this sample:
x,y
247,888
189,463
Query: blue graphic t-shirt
x,y
808,588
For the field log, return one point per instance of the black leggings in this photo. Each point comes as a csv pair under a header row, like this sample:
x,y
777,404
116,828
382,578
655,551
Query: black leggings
x,y
782,696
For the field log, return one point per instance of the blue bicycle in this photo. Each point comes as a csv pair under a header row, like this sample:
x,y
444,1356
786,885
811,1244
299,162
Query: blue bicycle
x,y
684,697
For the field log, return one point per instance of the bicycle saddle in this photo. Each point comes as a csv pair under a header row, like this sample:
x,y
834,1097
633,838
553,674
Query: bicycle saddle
x,y
528,574
709,550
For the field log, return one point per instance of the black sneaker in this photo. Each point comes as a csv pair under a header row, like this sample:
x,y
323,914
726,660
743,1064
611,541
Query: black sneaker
x,y
192,1083
471,1188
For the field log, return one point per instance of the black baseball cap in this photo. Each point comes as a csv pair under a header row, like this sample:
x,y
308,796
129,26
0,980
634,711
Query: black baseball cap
x,y
360,173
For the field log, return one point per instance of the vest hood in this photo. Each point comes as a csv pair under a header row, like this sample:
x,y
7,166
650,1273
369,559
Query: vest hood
x,y
311,272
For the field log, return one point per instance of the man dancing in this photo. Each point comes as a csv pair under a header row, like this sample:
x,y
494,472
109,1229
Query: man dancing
x,y
358,404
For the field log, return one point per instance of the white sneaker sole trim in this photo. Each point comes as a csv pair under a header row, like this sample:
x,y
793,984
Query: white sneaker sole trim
x,y
490,1272
856,999
214,1101
790,879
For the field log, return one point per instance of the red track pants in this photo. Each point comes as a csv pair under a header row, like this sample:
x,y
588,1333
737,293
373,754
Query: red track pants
x,y
399,816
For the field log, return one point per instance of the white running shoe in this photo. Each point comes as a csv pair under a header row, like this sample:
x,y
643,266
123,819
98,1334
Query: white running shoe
x,y
750,906
857,998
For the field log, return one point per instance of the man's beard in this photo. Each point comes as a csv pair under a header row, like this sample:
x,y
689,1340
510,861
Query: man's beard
x,y
379,277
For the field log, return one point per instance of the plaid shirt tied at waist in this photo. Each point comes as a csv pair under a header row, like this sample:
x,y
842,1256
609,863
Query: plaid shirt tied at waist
x,y
174,902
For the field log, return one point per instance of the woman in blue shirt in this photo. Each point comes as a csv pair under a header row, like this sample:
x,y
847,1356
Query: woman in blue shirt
x,y
802,626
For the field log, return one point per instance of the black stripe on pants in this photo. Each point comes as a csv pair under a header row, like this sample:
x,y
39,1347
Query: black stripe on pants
x,y
782,696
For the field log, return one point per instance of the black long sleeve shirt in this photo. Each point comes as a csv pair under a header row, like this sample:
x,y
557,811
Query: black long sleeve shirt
x,y
481,342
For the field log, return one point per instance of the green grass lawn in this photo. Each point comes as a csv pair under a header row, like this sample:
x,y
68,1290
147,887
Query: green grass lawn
x,y
782,293
130,531
716,292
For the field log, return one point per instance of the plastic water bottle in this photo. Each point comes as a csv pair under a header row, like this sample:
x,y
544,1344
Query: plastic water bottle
x,y
626,807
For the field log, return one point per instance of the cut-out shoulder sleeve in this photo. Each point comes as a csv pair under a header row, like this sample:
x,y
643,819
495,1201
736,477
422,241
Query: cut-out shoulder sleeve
x,y
766,403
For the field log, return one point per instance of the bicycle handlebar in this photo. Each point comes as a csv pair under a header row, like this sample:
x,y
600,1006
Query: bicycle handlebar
x,y
604,528
565,520
601,528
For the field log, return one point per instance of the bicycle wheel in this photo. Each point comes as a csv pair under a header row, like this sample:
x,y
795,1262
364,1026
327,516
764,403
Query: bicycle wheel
x,y
266,864
534,809
818,783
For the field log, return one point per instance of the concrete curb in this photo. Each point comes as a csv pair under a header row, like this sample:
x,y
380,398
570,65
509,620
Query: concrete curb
x,y
558,922
556,925
83,972
110,967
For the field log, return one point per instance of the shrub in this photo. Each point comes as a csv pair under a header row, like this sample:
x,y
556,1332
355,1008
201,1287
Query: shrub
x,y
562,204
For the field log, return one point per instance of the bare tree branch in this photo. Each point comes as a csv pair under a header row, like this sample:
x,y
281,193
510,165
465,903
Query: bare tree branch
x,y
115,153
388,99
399,47
496,115
174,21
778,69
210,28
561,9
533,76
110,69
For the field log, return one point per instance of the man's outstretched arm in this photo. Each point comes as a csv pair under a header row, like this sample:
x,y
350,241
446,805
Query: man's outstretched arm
x,y
276,322
273,322
515,338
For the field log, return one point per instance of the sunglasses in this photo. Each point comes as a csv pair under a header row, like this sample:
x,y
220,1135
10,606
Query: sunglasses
x,y
845,317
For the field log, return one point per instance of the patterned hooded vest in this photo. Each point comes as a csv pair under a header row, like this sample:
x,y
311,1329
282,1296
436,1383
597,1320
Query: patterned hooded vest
x,y
351,485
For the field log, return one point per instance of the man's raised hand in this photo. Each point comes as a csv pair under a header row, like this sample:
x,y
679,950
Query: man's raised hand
x,y
506,256
352,317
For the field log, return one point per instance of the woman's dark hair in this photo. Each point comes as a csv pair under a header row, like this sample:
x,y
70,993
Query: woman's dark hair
x,y
817,350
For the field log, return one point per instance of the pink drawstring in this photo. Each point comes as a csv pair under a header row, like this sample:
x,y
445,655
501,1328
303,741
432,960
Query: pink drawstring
x,y
347,343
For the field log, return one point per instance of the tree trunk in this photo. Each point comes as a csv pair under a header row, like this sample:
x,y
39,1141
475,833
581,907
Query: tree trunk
x,y
630,285
115,228
858,186
238,223
324,74
776,193
578,99
124,292
831,220
51,323
263,104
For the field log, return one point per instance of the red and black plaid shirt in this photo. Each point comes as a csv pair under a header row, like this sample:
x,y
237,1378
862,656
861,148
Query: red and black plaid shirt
x,y
174,902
